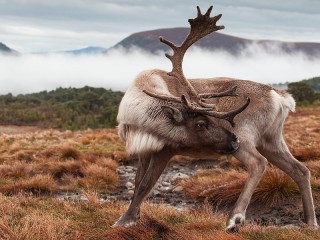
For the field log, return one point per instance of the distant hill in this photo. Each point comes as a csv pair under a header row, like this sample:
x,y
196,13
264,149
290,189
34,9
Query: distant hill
x,y
5,49
91,50
86,51
149,41
64,108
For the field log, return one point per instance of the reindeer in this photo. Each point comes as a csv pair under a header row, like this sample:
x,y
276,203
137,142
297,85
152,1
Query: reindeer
x,y
163,114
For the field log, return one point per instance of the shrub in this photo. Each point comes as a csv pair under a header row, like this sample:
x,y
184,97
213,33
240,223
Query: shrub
x,y
69,153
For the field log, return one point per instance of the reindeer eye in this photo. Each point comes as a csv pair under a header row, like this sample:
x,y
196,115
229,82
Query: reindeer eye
x,y
201,124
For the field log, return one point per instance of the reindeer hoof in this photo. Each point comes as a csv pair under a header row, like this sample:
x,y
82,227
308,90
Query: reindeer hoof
x,y
234,222
123,222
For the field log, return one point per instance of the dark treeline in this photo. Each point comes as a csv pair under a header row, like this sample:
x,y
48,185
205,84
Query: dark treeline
x,y
64,108
306,92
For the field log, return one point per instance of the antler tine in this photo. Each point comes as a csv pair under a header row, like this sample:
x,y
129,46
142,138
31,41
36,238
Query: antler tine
x,y
229,116
199,11
163,97
230,92
167,42
208,11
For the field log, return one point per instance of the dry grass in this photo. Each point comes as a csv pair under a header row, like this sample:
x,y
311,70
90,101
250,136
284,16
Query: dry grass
x,y
38,184
48,161
314,167
302,131
52,175
37,218
31,145
224,186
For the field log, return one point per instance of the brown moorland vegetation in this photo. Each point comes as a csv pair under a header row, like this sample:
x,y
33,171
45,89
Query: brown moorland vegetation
x,y
31,218
49,161
37,164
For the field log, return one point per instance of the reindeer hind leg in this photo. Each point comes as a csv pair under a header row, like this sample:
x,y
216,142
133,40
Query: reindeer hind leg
x,y
280,156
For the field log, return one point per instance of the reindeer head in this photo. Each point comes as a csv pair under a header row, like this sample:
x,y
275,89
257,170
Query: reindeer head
x,y
197,131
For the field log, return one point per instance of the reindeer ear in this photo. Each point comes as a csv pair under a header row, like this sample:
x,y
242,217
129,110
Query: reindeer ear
x,y
172,113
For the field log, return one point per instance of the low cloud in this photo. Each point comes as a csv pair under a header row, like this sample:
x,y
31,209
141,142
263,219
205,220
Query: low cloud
x,y
116,70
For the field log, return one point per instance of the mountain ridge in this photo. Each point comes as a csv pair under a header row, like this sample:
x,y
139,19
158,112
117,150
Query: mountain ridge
x,y
6,50
149,41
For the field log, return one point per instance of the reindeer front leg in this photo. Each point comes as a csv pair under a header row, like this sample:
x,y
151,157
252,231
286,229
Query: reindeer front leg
x,y
145,181
256,165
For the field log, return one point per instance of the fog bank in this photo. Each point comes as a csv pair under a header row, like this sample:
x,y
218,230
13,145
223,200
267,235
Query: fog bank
x,y
116,70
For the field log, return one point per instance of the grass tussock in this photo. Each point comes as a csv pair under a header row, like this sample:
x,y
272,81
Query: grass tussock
x,y
38,184
100,178
212,184
274,188
70,153
224,186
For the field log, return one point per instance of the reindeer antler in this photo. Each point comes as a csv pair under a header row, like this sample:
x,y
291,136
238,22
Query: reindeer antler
x,y
200,26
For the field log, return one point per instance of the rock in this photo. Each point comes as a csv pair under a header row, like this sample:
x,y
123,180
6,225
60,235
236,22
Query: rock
x,y
178,189
128,176
130,192
179,176
164,189
111,198
120,171
129,170
290,226
129,185
176,167
166,184
156,193
121,168
130,167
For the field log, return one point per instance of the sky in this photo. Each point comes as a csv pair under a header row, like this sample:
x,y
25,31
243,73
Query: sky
x,y
44,25
33,26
